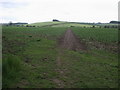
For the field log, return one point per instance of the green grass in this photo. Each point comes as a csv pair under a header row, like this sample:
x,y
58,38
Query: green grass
x,y
97,34
59,24
108,24
46,23
72,25
93,69
37,49
40,57
11,67
35,32
33,51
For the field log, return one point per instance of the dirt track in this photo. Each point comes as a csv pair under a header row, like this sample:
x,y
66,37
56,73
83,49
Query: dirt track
x,y
71,42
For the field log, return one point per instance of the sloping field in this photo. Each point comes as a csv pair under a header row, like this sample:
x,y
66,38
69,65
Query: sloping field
x,y
60,24
72,25
43,24
58,57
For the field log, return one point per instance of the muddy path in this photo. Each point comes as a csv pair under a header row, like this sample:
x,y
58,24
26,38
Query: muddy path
x,y
70,41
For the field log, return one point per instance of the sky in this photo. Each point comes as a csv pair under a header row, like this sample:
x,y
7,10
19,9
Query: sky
x,y
32,11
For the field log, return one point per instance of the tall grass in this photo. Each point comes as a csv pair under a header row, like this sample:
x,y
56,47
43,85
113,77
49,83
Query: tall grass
x,y
10,66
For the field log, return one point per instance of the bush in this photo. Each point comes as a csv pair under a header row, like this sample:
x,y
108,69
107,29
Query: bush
x,y
10,67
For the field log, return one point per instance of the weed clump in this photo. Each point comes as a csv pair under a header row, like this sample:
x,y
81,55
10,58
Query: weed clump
x,y
30,36
10,67
39,40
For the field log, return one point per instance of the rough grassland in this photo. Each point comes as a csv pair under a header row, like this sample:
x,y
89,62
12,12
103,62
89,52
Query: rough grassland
x,y
37,50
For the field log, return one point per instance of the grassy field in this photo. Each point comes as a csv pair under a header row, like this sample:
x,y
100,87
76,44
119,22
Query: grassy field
x,y
46,23
103,35
60,24
72,25
31,46
108,24
30,53
100,38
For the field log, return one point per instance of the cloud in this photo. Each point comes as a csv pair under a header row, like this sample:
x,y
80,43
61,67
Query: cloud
x,y
12,4
10,9
7,18
65,10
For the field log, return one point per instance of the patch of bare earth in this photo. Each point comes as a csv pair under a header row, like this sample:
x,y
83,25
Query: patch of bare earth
x,y
71,42
9,46
59,83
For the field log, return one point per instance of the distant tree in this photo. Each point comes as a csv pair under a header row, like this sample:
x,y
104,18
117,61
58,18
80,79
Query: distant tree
x,y
99,22
119,27
108,26
93,26
115,22
27,25
10,23
55,20
116,26
113,26
105,26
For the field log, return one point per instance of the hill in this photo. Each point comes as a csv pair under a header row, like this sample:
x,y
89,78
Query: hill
x,y
60,24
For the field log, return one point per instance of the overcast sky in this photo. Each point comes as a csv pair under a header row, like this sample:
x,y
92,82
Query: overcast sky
x,y
64,10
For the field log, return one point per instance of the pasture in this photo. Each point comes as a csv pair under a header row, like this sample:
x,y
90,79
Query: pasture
x,y
60,24
30,57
